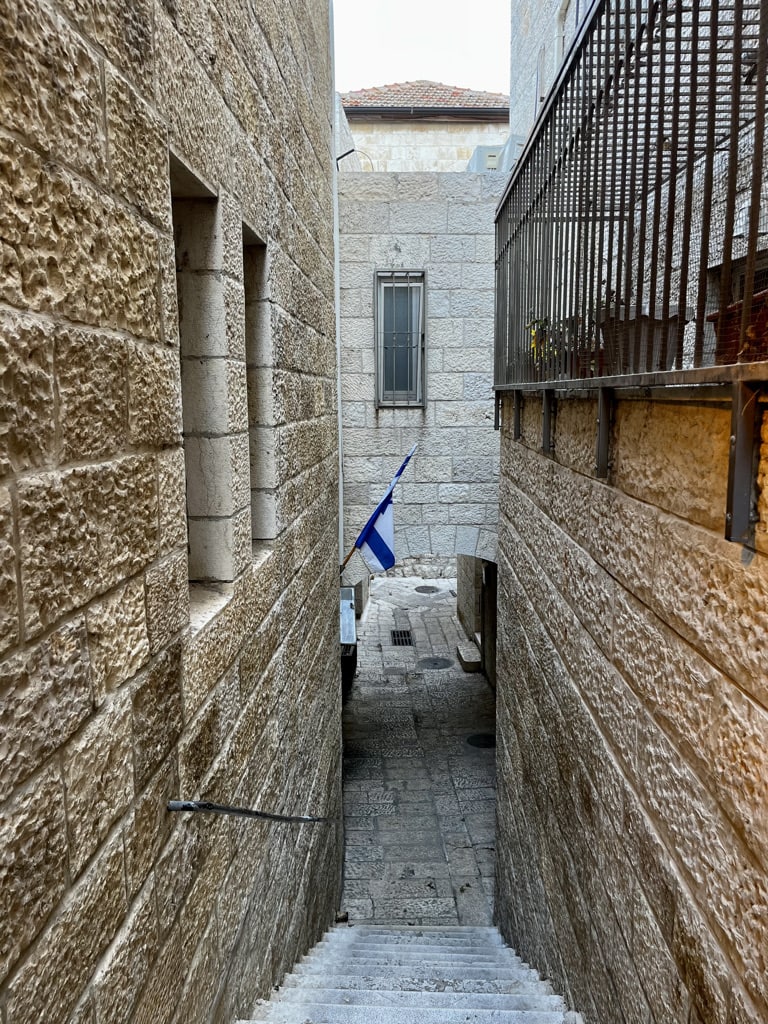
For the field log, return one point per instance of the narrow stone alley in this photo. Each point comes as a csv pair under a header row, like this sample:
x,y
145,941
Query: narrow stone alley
x,y
418,766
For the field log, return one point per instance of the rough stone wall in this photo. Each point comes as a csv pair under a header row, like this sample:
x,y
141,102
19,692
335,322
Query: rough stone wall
x,y
469,575
112,700
632,845
441,224
421,145
541,32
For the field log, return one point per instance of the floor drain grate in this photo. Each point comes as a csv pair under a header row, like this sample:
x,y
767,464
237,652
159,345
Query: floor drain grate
x,y
482,739
435,663
426,590
401,638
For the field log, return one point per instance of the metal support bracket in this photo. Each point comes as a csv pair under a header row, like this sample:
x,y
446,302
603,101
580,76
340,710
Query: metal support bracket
x,y
498,398
517,429
605,402
740,512
547,422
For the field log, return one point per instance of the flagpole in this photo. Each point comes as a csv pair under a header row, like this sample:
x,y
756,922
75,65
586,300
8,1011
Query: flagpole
x,y
344,563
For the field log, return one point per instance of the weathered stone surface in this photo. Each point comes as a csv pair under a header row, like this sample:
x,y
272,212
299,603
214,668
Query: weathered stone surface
x,y
27,426
38,51
167,599
55,974
138,151
91,372
33,874
172,500
149,824
159,1000
81,532
670,787
117,637
674,457
45,698
98,779
716,598
71,250
120,980
124,30
155,396
156,714
9,588
722,731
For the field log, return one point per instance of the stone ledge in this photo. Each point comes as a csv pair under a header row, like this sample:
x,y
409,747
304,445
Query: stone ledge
x,y
469,656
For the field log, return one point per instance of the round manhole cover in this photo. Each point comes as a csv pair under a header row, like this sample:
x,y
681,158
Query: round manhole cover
x,y
426,590
435,663
482,739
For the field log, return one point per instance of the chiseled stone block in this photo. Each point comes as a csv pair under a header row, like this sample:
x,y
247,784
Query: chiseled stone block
x,y
172,500
155,396
138,151
157,714
92,386
674,457
122,977
54,975
167,603
717,599
46,696
38,50
118,643
98,779
33,864
9,589
27,424
75,251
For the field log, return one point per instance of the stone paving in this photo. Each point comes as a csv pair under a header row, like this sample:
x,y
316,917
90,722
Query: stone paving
x,y
419,801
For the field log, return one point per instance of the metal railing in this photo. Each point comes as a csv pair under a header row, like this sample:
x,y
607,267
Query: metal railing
x,y
632,239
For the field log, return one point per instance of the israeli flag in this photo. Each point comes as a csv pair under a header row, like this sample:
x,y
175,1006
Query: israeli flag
x,y
376,542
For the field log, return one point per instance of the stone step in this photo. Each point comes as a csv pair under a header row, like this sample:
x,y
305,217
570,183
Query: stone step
x,y
488,933
315,1013
373,948
440,961
416,971
418,937
407,983
536,1000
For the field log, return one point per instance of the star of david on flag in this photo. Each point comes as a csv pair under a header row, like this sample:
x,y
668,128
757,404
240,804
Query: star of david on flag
x,y
376,541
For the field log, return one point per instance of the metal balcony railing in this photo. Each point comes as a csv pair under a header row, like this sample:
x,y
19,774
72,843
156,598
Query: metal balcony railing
x,y
632,239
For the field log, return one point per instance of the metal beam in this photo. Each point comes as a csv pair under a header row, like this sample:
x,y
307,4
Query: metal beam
x,y
740,513
547,422
604,416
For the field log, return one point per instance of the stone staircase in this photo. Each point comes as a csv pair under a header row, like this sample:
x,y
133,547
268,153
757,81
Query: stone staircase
x,y
388,975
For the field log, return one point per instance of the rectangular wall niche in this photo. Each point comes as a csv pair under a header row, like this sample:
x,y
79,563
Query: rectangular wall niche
x,y
208,453
261,402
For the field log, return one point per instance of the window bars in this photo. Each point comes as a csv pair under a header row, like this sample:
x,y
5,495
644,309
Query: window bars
x,y
399,338
632,238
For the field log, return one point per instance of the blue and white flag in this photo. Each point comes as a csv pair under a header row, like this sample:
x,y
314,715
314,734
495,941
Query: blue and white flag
x,y
377,538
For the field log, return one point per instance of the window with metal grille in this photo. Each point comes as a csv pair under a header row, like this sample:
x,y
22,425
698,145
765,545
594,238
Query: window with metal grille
x,y
400,338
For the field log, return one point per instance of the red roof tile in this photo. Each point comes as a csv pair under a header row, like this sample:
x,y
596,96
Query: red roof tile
x,y
423,94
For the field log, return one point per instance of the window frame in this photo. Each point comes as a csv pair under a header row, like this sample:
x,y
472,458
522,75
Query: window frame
x,y
394,398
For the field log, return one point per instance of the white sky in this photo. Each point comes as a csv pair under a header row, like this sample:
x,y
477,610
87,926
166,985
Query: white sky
x,y
379,42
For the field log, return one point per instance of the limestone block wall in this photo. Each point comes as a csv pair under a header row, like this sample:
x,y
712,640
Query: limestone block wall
x,y
122,684
632,845
425,146
541,32
441,224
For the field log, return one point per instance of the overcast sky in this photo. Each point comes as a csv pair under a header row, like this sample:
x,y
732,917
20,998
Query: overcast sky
x,y
379,42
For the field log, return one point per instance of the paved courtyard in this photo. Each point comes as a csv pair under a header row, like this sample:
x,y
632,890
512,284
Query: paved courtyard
x,y
419,800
